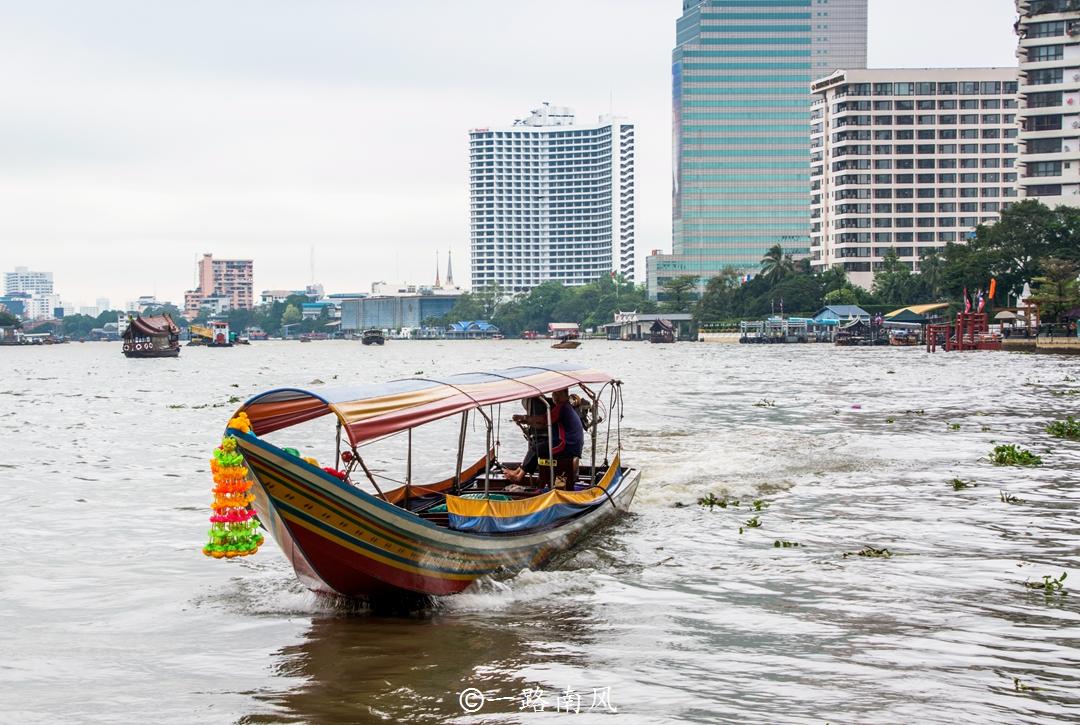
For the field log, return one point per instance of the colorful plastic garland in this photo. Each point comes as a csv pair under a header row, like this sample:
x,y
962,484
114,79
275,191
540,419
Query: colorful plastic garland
x,y
234,530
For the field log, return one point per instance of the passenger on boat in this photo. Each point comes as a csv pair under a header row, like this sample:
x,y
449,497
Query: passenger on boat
x,y
568,440
534,425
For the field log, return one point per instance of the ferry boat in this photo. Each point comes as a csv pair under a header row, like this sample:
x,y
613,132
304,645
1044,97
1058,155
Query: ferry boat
x,y
347,534
374,337
155,336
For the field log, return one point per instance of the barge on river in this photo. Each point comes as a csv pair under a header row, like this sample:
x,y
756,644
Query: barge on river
x,y
155,336
432,538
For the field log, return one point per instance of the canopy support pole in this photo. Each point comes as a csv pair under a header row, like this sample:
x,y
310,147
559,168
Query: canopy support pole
x,y
408,472
592,433
370,477
551,451
460,451
337,446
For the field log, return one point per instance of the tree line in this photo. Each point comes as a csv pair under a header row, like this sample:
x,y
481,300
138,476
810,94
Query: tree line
x,y
1030,243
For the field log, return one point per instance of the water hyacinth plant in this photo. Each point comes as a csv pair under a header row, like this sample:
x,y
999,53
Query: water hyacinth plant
x,y
1068,428
870,552
1012,455
959,485
1049,584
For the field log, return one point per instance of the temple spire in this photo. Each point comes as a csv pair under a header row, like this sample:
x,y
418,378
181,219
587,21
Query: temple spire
x,y
449,270
438,282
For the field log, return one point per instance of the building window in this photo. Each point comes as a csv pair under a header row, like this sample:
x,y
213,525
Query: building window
x,y
925,88
1045,76
1044,190
1044,146
883,89
1044,53
1045,99
1051,29
1044,168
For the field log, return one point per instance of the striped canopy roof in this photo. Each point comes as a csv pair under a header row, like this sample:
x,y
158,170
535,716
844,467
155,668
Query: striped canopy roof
x,y
371,411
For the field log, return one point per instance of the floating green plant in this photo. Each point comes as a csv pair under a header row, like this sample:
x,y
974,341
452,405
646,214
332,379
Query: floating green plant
x,y
1068,428
234,398
954,426
959,485
1049,584
870,552
711,501
985,429
753,523
915,412
765,403
176,406
1008,454
1021,687
1007,497
780,543
890,420
760,504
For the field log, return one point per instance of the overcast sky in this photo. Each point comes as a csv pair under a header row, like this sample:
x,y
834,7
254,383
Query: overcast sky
x,y
134,136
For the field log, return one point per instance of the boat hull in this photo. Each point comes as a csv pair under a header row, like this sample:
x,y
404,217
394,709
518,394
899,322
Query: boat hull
x,y
342,540
152,352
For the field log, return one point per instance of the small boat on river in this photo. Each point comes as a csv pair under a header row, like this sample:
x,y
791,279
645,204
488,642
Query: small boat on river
x,y
567,342
155,336
374,337
347,534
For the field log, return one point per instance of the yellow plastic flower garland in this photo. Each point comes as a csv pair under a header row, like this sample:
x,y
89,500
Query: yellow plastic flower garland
x,y
233,526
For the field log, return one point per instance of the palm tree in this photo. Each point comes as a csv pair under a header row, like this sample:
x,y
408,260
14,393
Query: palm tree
x,y
775,264
932,269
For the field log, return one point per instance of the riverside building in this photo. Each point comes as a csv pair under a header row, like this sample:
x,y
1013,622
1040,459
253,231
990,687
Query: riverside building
x,y
551,199
740,74
224,284
908,159
28,281
1049,56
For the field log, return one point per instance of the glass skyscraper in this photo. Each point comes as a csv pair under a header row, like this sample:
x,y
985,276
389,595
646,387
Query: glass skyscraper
x,y
741,73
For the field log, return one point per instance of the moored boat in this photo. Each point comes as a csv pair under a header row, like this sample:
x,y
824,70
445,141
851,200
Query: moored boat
x,y
155,336
374,337
353,538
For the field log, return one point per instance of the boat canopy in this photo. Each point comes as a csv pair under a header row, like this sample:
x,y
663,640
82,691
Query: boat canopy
x,y
150,326
367,412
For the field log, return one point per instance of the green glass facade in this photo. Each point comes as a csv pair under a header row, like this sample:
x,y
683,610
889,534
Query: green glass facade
x,y
741,73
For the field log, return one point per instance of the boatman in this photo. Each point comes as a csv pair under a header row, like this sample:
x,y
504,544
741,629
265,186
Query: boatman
x,y
568,439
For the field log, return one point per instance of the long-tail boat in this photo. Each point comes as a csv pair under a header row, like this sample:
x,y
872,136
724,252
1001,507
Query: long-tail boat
x,y
154,336
355,538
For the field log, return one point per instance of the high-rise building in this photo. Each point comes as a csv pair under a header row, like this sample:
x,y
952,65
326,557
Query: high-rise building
x,y
907,159
741,71
223,284
1049,55
26,280
551,199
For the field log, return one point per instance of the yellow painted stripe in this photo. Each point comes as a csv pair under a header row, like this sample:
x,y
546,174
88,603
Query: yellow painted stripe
x,y
472,507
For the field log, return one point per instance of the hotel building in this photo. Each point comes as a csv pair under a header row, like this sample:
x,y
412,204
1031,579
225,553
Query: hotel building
x,y
551,199
224,284
26,280
908,159
1049,56
741,71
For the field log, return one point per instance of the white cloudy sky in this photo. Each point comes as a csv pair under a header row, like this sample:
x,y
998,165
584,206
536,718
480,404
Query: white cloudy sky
x,y
135,135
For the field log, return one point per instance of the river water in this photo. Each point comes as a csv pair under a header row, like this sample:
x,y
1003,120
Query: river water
x,y
110,613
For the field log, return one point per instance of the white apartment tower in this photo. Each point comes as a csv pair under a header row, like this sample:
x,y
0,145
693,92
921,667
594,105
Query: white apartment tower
x,y
28,281
909,159
551,199
1049,56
